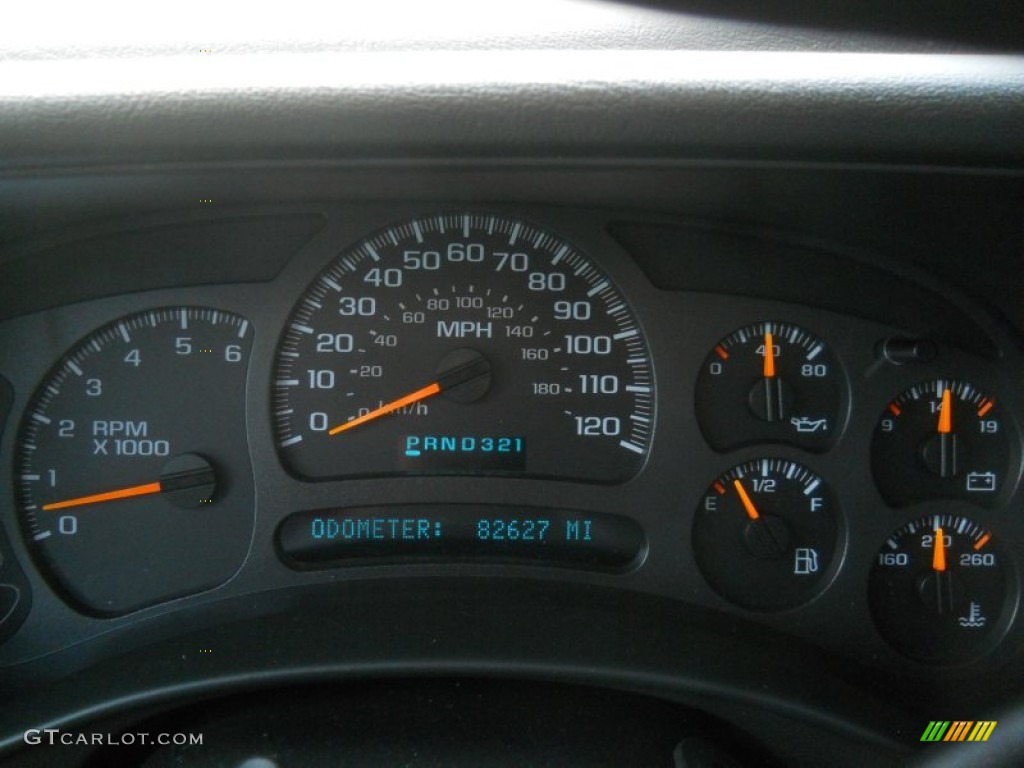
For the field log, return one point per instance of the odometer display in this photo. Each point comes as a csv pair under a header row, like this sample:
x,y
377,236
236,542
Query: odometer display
x,y
463,343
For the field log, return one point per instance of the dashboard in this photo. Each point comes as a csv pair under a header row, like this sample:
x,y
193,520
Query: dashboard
x,y
674,394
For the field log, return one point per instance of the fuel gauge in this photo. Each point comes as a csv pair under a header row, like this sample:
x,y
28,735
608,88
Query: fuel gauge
x,y
767,534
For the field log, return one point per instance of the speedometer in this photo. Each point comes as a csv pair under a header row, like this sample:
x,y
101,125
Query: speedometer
x,y
463,343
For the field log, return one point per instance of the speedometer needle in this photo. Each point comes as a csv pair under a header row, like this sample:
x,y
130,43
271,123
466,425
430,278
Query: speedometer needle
x,y
413,397
463,375
121,493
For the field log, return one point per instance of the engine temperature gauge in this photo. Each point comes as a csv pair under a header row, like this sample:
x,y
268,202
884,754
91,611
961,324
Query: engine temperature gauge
x,y
942,439
939,589
771,383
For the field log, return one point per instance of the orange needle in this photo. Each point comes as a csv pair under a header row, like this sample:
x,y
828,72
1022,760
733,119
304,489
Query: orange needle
x,y
945,413
747,503
939,553
413,397
122,493
769,356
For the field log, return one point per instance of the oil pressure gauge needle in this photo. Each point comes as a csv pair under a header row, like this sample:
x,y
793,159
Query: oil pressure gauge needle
x,y
769,356
773,408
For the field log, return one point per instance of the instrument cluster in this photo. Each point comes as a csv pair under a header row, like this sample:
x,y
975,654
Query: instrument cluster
x,y
496,390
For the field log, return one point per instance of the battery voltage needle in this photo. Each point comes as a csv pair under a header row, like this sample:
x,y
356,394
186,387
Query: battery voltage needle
x,y
747,503
413,397
945,413
947,440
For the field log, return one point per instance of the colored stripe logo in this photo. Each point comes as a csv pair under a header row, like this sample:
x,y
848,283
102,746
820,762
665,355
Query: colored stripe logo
x,y
958,730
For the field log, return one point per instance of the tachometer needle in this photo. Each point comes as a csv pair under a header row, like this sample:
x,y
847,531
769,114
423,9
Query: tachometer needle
x,y
186,481
121,493
413,397
939,551
747,503
769,356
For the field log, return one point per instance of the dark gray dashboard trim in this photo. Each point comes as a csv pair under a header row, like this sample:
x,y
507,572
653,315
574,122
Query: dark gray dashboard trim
x,y
800,106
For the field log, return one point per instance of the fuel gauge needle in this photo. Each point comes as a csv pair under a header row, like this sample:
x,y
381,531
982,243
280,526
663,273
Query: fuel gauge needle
x,y
748,505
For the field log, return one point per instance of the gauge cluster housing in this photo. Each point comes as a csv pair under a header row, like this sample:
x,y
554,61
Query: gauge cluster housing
x,y
650,254
860,182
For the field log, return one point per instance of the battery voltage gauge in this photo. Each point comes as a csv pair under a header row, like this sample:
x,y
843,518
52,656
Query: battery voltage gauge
x,y
943,439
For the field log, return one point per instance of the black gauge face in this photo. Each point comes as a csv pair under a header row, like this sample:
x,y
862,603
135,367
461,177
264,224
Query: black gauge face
x,y
463,344
766,535
943,439
771,383
939,589
132,462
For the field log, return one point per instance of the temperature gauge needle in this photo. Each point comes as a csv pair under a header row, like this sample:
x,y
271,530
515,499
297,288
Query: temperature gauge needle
x,y
747,503
413,397
96,498
939,552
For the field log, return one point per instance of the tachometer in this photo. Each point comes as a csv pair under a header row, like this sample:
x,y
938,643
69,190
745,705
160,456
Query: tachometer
x,y
464,343
134,481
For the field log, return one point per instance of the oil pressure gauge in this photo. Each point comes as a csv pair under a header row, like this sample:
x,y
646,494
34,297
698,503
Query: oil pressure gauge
x,y
771,383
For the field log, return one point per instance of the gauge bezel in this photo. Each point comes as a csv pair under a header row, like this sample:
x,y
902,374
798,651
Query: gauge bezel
x,y
547,242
